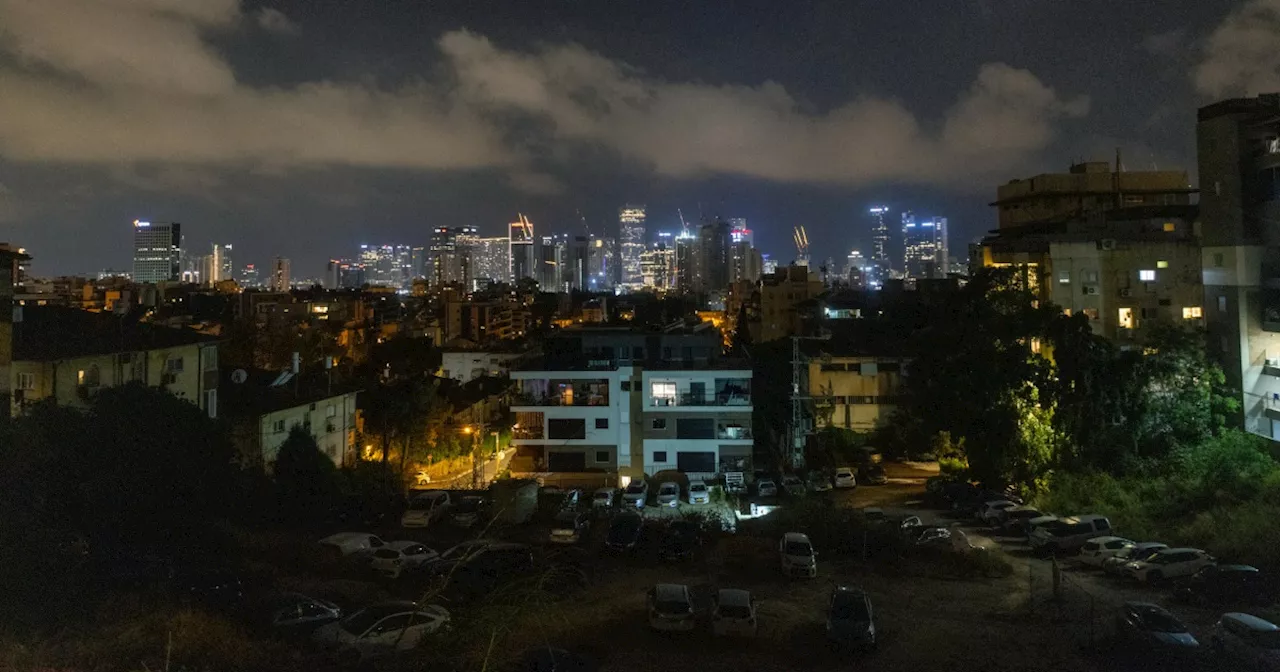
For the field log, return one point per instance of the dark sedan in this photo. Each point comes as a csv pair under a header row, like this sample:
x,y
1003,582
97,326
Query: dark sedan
x,y
1223,585
624,532
680,540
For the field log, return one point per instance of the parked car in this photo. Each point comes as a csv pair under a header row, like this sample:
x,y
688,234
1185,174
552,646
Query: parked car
x,y
1169,563
604,498
820,481
670,608
766,487
845,478
286,614
398,557
699,493
989,512
380,629
424,508
1248,641
470,510
1096,551
351,545
1223,584
1033,524
1013,520
797,555
1115,564
636,493
669,494
793,486
849,618
680,540
733,614
570,527
458,554
872,474
624,532
571,499
1069,534
1153,627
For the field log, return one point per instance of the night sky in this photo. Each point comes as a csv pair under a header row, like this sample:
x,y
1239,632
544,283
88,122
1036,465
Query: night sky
x,y
304,128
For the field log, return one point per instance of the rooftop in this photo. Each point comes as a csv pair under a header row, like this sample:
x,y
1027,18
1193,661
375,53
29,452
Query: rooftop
x,y
257,394
49,333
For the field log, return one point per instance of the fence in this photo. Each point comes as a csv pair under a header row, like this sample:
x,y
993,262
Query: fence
x,y
1080,610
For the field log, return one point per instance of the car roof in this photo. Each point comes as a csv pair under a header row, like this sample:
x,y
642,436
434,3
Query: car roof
x,y
796,536
1250,621
670,483
1237,568
848,592
765,480
1179,550
1144,545
671,591
341,537
1106,539
1070,520
734,597
604,491
1147,608
402,544
429,493
993,502
384,609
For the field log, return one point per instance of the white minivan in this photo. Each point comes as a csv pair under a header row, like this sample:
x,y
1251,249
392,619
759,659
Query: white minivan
x,y
797,556
1067,535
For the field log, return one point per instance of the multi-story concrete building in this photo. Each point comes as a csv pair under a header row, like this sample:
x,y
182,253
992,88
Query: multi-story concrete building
x,y
1239,159
631,404
467,364
855,392
451,255
490,261
68,355
1087,188
1127,269
658,267
262,408
521,252
281,279
157,251
924,244
788,302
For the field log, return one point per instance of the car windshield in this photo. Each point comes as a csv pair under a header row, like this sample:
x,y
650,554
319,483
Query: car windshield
x,y
420,504
635,488
602,497
668,490
360,622
469,505
1161,621
843,474
697,487
1265,639
1144,554
847,607
798,548
386,553
735,611
672,606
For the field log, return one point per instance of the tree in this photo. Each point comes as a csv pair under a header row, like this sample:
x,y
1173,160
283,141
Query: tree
x,y
306,479
741,339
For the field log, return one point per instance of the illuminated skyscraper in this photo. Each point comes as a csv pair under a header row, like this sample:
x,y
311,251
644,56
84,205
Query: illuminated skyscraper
x,y
553,262
451,255
280,280
218,265
157,251
879,246
631,234
739,233
924,246
602,262
658,265
521,253
490,262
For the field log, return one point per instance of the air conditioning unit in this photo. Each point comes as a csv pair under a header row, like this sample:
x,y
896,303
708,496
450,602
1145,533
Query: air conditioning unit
x,y
1107,244
1090,290
1126,293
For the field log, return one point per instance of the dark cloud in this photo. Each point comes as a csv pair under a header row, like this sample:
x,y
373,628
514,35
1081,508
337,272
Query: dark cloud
x,y
1242,55
274,21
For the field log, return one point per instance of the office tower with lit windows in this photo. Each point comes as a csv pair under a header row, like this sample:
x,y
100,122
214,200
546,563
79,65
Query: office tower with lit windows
x,y
344,274
739,233
631,236
417,262
218,265
157,251
521,251
658,265
576,273
490,262
880,264
602,264
924,243
451,249
280,280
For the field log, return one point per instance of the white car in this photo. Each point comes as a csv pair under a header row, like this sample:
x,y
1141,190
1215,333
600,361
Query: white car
x,y
424,508
1170,563
380,629
636,493
765,487
733,614
1097,550
1068,534
699,493
397,557
352,544
669,494
1115,564
797,555
603,498
1248,640
846,477
989,513
671,608
793,485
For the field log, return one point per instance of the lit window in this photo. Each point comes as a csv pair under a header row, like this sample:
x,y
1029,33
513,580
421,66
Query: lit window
x,y
1147,276
1162,264
27,381
1222,304
664,393
1091,313
1064,278
1217,260
1126,318
1169,227
1192,313
1066,311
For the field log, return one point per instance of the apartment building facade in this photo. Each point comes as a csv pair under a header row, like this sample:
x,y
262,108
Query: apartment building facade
x,y
858,392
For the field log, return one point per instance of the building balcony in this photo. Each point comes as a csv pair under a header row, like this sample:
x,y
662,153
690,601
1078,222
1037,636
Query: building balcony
x,y
530,433
528,399
733,433
688,399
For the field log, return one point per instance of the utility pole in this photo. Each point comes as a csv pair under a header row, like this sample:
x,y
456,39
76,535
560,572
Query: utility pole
x,y
799,396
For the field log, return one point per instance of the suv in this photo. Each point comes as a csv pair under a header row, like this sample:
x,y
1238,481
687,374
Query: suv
x,y
797,555
570,527
1069,534
1170,563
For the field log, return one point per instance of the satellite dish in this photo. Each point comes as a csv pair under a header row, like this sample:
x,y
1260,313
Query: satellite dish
x,y
239,376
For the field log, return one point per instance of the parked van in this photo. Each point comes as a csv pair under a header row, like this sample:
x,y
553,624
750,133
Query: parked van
x,y
1069,534
670,608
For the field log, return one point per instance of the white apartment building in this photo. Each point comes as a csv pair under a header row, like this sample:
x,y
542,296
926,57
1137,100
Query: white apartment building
x,y
467,365
697,422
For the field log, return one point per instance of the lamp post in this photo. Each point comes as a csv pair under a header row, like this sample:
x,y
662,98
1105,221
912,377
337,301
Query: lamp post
x,y
476,464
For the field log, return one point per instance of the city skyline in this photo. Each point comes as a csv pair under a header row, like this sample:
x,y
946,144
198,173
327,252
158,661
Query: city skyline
x,y
219,149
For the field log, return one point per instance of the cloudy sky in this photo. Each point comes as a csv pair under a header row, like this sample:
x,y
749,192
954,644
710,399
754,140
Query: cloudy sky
x,y
305,127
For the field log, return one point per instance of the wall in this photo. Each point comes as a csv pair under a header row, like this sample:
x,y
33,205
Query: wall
x,y
336,444
864,376
466,366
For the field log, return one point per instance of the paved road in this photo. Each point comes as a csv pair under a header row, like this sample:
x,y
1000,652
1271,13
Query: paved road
x,y
489,470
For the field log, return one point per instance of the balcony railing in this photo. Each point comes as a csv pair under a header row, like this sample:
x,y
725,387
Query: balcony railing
x,y
733,432
527,433
524,399
688,399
